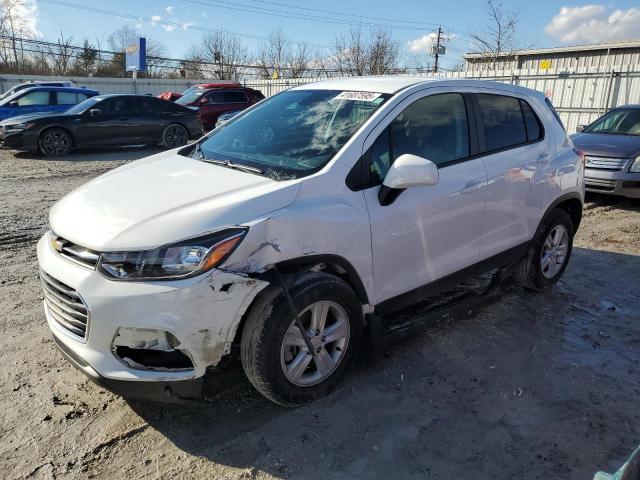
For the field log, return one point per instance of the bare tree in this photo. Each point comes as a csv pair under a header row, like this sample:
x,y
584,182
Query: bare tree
x,y
13,27
356,55
281,58
61,55
500,37
225,51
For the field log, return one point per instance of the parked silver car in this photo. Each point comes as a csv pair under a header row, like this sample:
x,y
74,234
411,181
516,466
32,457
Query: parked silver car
x,y
612,149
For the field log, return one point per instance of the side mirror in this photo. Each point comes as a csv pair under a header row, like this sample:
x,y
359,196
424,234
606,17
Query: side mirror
x,y
580,128
95,112
407,171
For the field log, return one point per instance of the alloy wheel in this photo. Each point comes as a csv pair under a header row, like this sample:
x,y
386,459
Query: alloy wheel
x,y
554,251
55,143
327,326
175,136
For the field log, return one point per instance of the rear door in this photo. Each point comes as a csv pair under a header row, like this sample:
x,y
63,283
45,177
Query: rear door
x,y
234,100
426,233
512,140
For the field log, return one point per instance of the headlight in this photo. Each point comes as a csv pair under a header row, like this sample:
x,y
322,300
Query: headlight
x,y
18,127
635,166
179,260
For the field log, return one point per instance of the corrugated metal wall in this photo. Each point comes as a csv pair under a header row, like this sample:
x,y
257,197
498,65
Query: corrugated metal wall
x,y
580,97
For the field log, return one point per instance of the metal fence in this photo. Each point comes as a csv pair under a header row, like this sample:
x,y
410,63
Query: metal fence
x,y
580,96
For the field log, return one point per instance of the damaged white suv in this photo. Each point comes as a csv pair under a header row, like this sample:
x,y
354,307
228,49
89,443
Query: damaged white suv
x,y
283,231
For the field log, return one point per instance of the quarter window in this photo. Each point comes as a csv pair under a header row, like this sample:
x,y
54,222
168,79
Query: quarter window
x,y
531,122
502,121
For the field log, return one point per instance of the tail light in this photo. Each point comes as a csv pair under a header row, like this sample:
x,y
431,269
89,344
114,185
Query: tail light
x,y
581,154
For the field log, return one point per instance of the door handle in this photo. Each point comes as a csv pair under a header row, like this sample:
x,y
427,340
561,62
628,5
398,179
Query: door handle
x,y
471,187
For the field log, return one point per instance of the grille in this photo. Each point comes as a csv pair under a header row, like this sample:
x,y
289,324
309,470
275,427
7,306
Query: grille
x,y
600,184
76,253
604,163
65,306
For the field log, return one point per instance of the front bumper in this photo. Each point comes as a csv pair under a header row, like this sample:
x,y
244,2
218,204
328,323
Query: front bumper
x,y
620,182
17,140
202,313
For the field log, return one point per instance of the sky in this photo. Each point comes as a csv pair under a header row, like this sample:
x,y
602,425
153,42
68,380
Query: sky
x,y
178,24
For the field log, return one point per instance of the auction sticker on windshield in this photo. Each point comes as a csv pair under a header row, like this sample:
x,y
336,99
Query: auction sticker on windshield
x,y
359,96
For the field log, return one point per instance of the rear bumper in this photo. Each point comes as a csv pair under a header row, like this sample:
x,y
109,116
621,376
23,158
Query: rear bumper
x,y
620,183
161,391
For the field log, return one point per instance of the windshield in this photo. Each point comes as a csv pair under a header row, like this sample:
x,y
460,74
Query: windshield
x,y
292,134
82,106
191,96
622,122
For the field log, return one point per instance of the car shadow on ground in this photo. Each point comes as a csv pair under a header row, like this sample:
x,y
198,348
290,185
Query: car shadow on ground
x,y
543,383
613,201
98,154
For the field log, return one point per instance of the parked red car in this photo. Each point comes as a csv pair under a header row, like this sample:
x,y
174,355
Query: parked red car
x,y
214,99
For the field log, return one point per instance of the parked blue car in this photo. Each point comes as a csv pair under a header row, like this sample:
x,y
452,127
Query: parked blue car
x,y
43,99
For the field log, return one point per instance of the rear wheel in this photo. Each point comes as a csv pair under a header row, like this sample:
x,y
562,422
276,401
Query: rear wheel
x,y
174,136
548,253
55,142
275,355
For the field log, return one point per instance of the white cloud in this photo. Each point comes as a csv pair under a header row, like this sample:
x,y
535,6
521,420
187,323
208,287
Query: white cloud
x,y
155,19
169,28
424,43
186,25
204,15
26,18
169,10
138,26
594,24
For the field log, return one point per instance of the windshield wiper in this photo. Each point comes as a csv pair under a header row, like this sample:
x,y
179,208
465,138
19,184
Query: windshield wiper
x,y
235,166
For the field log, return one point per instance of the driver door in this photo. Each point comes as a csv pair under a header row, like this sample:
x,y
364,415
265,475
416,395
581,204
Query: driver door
x,y
426,233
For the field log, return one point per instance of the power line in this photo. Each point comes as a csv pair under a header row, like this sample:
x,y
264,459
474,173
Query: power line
x,y
181,25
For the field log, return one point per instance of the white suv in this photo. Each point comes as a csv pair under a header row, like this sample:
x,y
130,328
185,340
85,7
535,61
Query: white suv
x,y
281,232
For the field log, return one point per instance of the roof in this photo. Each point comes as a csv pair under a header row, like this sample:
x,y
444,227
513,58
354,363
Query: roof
x,y
48,88
368,84
568,49
394,84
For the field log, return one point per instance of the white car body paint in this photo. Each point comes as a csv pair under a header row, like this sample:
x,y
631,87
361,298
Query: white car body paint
x,y
478,208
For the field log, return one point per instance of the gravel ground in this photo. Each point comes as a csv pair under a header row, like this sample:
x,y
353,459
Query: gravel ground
x,y
535,386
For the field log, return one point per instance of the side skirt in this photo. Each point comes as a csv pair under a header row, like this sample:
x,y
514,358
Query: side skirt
x,y
424,292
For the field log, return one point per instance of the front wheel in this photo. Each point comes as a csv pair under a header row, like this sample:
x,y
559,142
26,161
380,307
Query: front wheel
x,y
174,136
55,142
548,253
275,355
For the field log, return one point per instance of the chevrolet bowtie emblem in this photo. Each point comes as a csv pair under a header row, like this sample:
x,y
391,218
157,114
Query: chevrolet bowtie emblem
x,y
56,243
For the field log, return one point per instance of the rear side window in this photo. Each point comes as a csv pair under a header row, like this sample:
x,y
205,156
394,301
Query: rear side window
x,y
234,97
531,122
502,121
68,98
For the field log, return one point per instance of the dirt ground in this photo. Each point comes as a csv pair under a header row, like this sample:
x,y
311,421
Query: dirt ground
x,y
535,386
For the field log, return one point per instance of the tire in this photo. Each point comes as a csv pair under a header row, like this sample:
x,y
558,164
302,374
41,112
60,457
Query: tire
x,y
533,272
174,136
55,142
271,344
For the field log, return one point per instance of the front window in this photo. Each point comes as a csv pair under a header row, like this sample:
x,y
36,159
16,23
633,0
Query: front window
x,y
621,122
293,134
191,96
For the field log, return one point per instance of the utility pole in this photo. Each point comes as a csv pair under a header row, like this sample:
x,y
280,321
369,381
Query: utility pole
x,y
435,64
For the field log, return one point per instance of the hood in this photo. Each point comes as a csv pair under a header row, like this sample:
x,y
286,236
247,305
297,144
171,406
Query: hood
x,y
162,199
608,145
28,117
